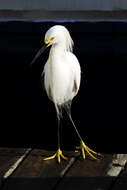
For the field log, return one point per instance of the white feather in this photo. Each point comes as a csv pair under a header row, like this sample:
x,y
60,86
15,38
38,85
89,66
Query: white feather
x,y
62,68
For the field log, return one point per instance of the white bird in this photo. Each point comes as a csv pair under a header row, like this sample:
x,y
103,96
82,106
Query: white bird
x,y
62,75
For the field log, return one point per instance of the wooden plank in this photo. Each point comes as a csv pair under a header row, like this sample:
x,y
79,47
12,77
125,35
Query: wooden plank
x,y
90,167
121,182
88,174
8,156
118,163
16,164
35,173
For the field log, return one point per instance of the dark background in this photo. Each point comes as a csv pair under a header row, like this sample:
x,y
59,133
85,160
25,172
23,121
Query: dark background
x,y
28,117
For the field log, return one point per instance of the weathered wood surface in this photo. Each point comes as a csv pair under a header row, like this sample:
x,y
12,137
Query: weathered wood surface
x,y
121,182
33,172
8,156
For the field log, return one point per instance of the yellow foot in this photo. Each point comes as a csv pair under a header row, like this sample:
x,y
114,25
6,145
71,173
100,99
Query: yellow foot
x,y
84,148
58,154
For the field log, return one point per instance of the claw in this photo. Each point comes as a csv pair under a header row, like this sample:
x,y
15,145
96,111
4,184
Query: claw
x,y
51,157
83,153
58,154
84,148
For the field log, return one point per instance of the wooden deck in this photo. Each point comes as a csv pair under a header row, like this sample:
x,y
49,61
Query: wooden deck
x,y
22,169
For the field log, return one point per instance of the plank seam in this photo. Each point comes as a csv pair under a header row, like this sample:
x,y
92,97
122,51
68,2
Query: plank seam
x,y
64,172
16,164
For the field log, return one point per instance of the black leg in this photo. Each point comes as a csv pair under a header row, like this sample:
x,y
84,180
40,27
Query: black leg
x,y
82,146
58,132
74,126
68,111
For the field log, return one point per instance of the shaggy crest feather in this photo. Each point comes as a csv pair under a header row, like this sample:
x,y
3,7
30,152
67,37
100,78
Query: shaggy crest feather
x,y
69,41
61,35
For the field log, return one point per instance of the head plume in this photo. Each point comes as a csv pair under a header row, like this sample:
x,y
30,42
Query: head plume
x,y
61,35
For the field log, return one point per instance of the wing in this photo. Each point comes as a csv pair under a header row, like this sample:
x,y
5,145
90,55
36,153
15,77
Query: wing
x,y
75,87
76,72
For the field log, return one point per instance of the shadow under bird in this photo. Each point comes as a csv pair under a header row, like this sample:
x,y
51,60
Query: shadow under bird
x,y
62,76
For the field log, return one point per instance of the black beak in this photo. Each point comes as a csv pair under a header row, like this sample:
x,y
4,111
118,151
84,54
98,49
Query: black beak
x,y
39,53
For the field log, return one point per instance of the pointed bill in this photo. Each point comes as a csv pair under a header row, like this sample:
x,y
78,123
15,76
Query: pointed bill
x,y
39,53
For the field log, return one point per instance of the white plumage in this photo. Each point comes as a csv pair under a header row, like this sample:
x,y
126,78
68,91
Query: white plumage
x,y
62,75
62,70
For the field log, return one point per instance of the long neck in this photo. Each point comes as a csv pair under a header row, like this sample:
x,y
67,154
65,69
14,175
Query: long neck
x,y
57,50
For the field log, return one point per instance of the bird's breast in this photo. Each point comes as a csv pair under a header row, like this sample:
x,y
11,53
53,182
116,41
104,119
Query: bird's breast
x,y
59,78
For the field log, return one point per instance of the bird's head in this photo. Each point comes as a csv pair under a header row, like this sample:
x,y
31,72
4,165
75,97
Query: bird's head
x,y
59,35
56,35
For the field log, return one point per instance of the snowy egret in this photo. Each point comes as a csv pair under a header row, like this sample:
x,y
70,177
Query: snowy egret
x,y
62,75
